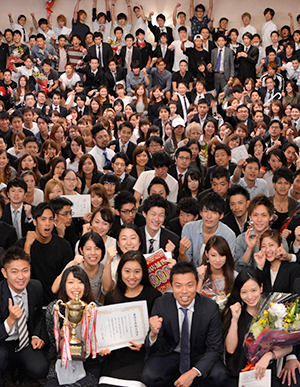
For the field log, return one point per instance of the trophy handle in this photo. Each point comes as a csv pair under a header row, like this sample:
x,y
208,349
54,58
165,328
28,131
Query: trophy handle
x,y
56,307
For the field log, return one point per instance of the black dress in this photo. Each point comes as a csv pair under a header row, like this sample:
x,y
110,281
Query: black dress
x,y
124,363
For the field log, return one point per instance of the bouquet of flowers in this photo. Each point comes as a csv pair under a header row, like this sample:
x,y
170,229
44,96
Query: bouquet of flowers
x,y
214,290
49,5
276,324
41,79
113,44
16,54
203,155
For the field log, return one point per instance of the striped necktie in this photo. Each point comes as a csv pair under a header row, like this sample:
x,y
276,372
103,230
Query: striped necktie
x,y
22,326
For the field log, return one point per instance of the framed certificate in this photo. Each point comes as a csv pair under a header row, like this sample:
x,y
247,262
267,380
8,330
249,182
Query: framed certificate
x,y
81,204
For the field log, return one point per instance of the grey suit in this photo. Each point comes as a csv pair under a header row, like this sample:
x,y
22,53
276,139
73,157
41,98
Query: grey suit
x,y
221,79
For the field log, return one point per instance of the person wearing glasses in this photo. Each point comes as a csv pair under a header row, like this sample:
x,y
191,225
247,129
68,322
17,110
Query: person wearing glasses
x,y
112,185
126,212
64,226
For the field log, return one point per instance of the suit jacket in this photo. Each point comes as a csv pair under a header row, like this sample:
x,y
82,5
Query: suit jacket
x,y
234,121
130,148
139,220
62,111
206,342
263,91
106,54
165,235
92,81
285,278
109,81
207,184
156,32
8,235
175,226
136,55
146,53
231,222
128,183
247,65
86,111
168,59
25,225
282,139
36,322
180,107
228,61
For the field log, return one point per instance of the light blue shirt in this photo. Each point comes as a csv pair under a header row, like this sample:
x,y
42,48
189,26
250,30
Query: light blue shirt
x,y
194,232
260,187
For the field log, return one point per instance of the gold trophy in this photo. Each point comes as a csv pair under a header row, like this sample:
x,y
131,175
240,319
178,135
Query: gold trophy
x,y
75,312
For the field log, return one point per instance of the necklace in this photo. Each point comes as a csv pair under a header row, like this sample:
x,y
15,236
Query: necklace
x,y
281,206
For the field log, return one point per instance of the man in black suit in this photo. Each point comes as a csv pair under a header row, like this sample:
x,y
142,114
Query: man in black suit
x,y
119,163
144,46
123,144
183,158
17,213
184,343
113,75
82,108
269,91
163,119
237,219
154,235
22,324
56,100
275,139
158,30
129,53
183,100
93,76
247,56
160,187
188,210
100,50
202,114
162,51
242,116
126,212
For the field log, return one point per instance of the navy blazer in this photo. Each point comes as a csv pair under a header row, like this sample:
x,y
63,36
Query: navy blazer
x,y
206,338
36,321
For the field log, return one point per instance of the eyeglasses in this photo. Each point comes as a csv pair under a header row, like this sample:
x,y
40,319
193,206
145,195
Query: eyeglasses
x,y
127,212
111,183
71,213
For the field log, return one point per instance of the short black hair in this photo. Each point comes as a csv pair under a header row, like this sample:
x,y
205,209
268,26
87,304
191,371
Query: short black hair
x,y
161,159
96,129
40,208
213,202
182,28
183,149
165,107
284,172
219,172
139,31
224,147
58,203
183,268
30,139
124,197
16,182
290,144
96,238
189,206
40,36
129,36
111,178
155,200
237,190
16,114
126,124
121,155
276,122
156,139
98,34
14,253
251,160
158,180
237,89
161,16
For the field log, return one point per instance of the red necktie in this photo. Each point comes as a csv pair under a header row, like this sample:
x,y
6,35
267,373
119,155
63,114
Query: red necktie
x,y
180,181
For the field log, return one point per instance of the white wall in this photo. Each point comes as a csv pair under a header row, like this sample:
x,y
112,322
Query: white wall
x,y
232,9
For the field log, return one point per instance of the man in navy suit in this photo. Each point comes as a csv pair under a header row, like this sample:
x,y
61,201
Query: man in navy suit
x,y
22,325
184,343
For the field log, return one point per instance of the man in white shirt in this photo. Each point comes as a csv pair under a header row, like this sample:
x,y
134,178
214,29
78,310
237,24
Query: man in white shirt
x,y
179,20
100,152
293,70
141,19
176,46
268,27
246,18
20,26
161,162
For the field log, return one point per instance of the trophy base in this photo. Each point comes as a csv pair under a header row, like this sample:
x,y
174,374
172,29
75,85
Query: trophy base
x,y
77,352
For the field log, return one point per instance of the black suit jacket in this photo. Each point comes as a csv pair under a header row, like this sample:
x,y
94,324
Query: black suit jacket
x,y
168,59
36,322
92,81
130,148
230,221
136,55
285,278
165,236
62,111
206,342
263,91
247,65
139,220
180,108
156,32
106,54
175,226
128,183
234,121
146,53
8,235
86,112
109,81
25,225
282,139
207,184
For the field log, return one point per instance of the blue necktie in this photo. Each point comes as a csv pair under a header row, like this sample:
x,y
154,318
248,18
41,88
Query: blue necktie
x,y
219,61
107,160
185,363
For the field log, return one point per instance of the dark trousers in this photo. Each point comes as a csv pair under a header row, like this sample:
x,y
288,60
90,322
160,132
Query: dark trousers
x,y
220,82
163,371
33,361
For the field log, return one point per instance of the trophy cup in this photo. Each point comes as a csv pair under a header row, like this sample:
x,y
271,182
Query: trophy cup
x,y
75,312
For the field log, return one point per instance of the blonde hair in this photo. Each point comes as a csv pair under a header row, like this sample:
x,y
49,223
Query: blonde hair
x,y
49,187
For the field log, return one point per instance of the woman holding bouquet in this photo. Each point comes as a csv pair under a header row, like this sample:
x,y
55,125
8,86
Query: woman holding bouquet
x,y
277,275
237,317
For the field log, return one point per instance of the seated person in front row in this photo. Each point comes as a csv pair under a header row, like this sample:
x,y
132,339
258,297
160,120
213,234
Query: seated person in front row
x,y
196,234
21,306
184,344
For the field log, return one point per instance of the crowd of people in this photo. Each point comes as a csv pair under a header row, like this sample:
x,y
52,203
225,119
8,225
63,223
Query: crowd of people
x,y
189,144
